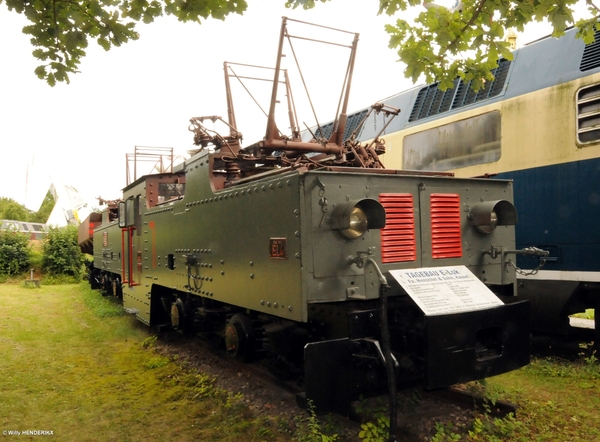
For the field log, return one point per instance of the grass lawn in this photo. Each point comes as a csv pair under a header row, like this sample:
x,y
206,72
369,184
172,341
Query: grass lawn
x,y
558,400
73,365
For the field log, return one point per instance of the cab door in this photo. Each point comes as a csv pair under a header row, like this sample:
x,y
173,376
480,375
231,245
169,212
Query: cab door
x,y
129,223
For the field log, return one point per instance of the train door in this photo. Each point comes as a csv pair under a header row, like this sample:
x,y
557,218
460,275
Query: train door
x,y
129,222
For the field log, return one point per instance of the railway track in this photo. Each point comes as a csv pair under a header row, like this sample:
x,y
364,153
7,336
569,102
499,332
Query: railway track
x,y
265,394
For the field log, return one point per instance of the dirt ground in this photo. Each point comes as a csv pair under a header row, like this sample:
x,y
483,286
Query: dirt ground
x,y
419,411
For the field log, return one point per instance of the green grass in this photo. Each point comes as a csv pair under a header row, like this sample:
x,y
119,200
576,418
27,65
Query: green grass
x,y
558,400
73,364
588,314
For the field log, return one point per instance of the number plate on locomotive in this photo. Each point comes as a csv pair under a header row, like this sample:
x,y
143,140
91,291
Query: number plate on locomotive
x,y
278,248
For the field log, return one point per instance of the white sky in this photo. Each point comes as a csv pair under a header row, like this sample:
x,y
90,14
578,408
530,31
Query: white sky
x,y
144,92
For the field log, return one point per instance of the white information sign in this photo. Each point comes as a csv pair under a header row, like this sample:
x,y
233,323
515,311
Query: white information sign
x,y
446,290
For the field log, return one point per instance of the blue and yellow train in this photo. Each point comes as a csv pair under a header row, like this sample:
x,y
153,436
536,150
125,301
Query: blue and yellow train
x,y
537,123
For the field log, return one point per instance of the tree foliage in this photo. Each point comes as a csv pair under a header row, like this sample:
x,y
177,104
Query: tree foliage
x,y
62,255
468,39
60,30
441,44
14,252
12,210
42,215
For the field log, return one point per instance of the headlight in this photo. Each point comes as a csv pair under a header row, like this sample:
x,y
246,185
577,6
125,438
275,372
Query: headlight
x,y
358,224
354,218
489,228
487,215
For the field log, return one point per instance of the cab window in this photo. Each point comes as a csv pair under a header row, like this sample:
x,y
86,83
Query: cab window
x,y
463,143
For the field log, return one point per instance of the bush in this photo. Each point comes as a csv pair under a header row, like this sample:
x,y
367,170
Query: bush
x,y
36,256
14,252
62,255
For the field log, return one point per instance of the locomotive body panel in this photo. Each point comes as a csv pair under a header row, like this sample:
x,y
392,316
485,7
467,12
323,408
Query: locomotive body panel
x,y
269,245
238,246
107,256
332,277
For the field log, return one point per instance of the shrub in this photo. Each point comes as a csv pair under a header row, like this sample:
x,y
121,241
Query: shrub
x,y
62,255
36,256
14,252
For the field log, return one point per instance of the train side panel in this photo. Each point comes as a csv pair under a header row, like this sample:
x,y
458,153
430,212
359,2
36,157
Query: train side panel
x,y
240,246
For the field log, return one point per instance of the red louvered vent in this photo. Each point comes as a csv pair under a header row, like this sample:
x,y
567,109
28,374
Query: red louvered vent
x,y
446,241
398,236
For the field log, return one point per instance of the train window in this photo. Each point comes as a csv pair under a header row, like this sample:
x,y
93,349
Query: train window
x,y
163,188
122,215
129,212
170,191
459,144
588,114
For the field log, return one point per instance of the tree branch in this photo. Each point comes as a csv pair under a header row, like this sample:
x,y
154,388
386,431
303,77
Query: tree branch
x,y
468,24
591,3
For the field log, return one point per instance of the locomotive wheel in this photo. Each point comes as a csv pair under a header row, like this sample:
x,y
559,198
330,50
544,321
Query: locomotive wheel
x,y
116,288
239,337
177,315
106,286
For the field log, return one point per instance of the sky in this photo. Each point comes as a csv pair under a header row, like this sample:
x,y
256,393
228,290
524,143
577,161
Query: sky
x,y
144,92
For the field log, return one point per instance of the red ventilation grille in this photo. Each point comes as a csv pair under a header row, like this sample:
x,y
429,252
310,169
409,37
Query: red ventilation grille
x,y
445,226
398,237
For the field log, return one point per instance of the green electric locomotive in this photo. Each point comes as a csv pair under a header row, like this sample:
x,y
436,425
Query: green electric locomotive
x,y
313,256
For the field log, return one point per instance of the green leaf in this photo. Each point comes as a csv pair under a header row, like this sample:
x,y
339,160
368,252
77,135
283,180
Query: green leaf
x,y
50,79
40,72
